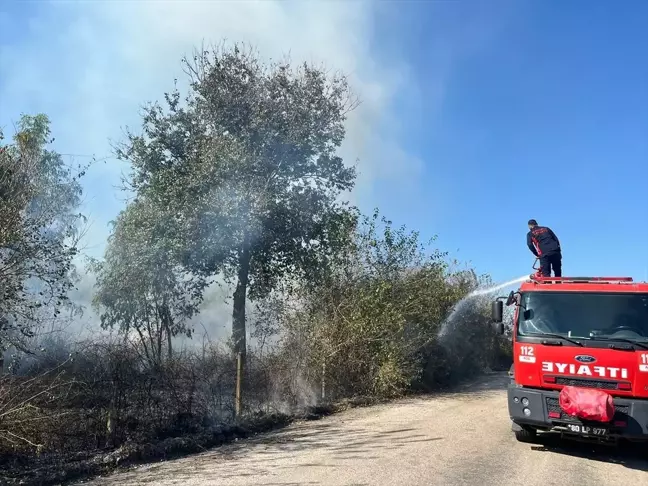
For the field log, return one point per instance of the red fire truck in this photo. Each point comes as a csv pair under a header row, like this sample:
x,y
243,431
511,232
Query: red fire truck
x,y
580,350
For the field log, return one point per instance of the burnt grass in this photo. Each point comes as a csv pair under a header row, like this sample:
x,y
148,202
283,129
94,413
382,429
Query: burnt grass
x,y
51,469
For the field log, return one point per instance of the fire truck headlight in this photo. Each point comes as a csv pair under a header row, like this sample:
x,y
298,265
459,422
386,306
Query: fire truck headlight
x,y
525,401
516,399
527,412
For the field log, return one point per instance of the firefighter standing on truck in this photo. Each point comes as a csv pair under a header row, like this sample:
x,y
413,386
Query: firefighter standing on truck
x,y
544,244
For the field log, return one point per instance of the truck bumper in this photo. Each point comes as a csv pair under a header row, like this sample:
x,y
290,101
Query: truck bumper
x,y
543,413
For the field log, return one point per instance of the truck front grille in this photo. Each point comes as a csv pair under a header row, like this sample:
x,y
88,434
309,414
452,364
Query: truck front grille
x,y
587,383
553,405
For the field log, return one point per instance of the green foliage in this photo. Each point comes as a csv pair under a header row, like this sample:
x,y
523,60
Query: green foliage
x,y
369,322
39,227
140,288
248,163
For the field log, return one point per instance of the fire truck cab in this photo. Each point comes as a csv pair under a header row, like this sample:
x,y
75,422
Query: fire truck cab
x,y
583,333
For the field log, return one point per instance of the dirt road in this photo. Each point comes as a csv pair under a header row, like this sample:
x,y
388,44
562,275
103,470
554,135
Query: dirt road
x,y
447,440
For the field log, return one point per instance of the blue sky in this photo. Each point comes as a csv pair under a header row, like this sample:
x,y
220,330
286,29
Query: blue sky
x,y
476,117
548,119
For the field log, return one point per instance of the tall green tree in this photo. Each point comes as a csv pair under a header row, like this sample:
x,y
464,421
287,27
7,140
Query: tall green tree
x,y
39,228
248,162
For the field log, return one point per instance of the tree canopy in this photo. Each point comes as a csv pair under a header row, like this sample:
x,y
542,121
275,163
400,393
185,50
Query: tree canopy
x,y
244,172
139,286
39,228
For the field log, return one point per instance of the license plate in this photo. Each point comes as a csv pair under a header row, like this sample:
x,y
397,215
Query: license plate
x,y
587,430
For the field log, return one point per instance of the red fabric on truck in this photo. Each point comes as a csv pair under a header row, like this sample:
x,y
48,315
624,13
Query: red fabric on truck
x,y
587,403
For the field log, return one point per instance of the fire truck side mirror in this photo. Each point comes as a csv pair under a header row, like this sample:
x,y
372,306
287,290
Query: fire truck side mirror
x,y
497,311
511,299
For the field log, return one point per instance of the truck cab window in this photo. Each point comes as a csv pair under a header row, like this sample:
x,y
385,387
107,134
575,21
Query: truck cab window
x,y
585,315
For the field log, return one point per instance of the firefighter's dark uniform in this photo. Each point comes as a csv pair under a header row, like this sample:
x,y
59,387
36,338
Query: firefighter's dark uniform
x,y
544,244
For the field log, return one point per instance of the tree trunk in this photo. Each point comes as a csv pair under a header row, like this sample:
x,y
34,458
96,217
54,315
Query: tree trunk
x,y
169,344
240,294
167,322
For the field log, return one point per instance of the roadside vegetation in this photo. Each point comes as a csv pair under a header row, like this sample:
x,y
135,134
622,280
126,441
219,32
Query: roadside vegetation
x,y
236,183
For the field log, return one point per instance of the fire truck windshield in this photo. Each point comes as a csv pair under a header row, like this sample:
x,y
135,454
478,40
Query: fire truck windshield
x,y
584,315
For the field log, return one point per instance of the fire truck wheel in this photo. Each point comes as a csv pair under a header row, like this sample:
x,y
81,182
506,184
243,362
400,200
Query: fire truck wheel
x,y
525,435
